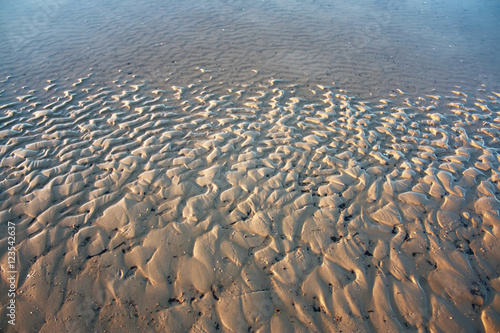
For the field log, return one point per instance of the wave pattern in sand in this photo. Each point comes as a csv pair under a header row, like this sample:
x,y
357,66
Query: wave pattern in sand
x,y
268,206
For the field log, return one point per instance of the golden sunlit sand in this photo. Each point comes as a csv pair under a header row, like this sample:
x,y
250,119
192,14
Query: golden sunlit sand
x,y
267,206
249,166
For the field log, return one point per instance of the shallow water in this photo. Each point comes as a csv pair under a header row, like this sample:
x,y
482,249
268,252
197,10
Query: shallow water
x,y
367,47
266,166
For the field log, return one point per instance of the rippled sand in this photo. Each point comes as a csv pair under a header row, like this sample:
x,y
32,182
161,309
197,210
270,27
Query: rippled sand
x,y
192,167
268,206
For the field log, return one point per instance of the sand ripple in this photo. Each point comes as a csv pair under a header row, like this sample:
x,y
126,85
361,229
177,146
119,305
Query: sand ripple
x,y
266,206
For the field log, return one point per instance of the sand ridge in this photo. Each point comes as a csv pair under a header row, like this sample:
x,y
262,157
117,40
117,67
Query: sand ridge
x,y
266,206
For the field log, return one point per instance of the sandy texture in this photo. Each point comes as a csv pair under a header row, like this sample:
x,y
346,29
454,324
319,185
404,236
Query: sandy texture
x,y
177,166
267,206
366,46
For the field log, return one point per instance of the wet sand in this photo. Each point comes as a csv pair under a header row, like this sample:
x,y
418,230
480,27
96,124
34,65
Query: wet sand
x,y
268,206
372,47
198,186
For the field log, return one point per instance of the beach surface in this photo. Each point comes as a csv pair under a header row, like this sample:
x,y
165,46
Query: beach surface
x,y
177,177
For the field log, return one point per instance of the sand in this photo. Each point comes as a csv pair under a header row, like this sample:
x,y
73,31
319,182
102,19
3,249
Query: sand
x,y
267,206
237,166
